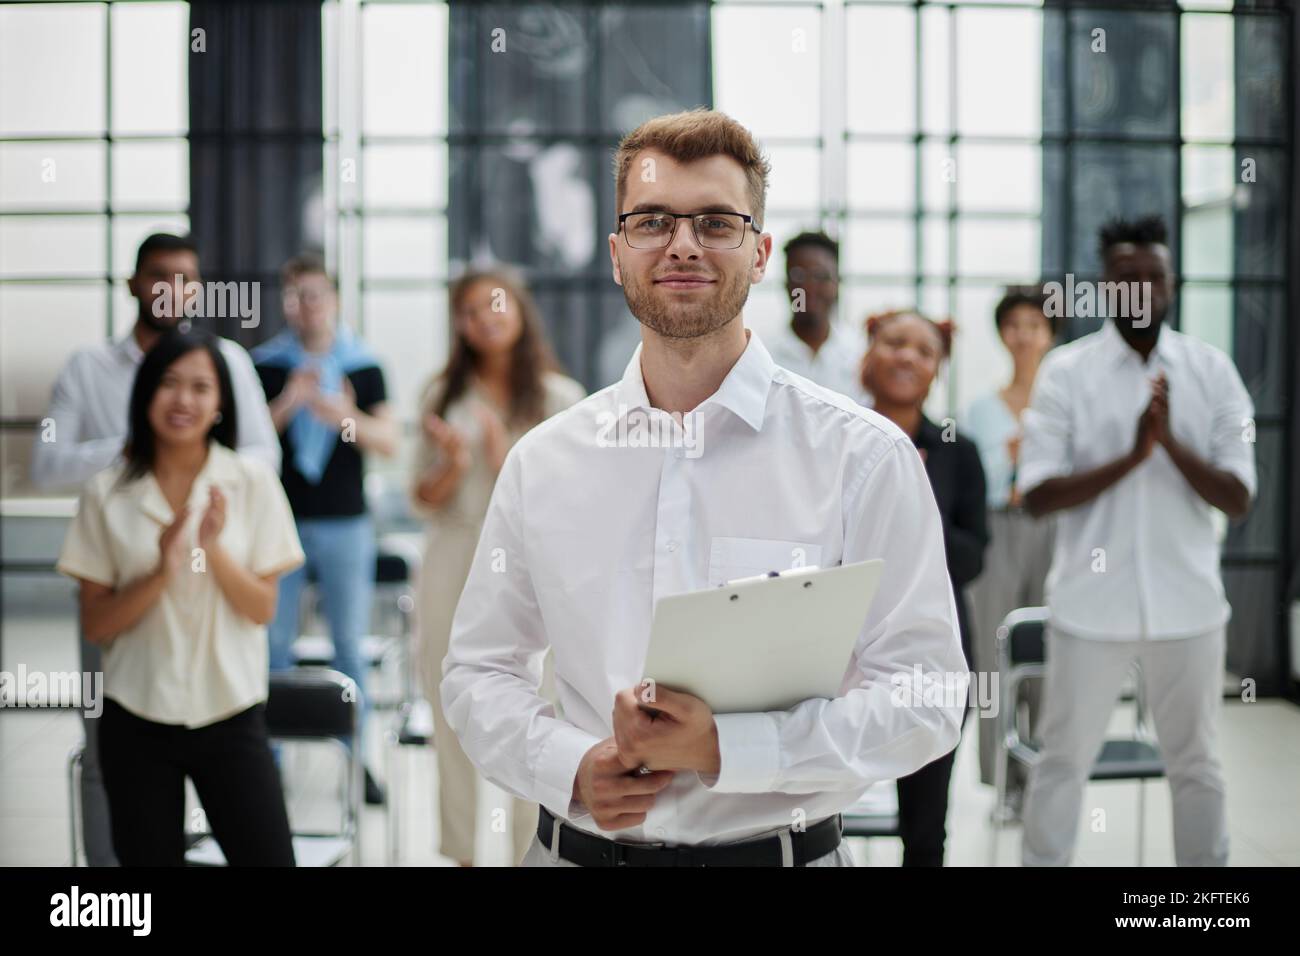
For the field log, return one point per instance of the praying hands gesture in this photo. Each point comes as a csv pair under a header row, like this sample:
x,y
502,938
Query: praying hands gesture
x,y
1153,424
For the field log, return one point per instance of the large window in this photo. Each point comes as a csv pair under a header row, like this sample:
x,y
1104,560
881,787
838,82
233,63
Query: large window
x,y
93,157
955,147
1183,109
386,181
913,133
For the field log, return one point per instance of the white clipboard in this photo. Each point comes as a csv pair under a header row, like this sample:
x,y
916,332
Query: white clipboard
x,y
763,643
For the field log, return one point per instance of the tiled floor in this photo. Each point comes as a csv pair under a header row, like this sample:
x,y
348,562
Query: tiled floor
x,y
1260,752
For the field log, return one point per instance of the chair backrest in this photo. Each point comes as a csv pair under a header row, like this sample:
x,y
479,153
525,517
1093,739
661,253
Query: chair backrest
x,y
1021,653
391,568
1024,629
312,702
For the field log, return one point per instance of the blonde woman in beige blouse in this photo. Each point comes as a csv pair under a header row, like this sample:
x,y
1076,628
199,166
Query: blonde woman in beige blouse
x,y
500,381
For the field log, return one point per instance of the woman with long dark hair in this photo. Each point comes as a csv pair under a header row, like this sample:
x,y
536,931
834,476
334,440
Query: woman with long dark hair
x,y
177,550
500,381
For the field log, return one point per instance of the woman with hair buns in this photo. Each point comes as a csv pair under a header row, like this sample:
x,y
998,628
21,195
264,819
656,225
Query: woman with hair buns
x,y
500,381
904,354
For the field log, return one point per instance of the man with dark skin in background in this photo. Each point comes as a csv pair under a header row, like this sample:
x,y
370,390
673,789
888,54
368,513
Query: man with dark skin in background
x,y
1133,435
813,344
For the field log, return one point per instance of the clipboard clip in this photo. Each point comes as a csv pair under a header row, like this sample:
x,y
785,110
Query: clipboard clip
x,y
788,573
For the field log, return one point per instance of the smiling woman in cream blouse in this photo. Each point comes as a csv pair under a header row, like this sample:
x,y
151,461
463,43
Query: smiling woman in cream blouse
x,y
177,550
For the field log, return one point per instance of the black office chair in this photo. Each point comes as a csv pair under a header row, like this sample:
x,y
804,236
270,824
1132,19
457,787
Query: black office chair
x,y
1021,648
312,705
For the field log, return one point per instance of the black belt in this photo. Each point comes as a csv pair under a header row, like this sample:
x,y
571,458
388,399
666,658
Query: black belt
x,y
585,849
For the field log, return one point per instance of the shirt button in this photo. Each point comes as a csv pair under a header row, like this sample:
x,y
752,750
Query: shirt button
x,y
672,545
660,832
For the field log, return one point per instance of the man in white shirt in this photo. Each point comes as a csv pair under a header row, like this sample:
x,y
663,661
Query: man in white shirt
x,y
586,531
812,343
85,428
1134,434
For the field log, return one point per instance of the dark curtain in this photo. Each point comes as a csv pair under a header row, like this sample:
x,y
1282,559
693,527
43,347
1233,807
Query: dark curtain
x,y
533,130
1111,126
256,144
1292,350
1256,561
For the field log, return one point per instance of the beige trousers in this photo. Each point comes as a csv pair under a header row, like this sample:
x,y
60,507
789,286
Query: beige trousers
x,y
448,554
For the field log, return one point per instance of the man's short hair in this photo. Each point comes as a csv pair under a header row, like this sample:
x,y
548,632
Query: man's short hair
x,y
818,240
691,135
163,242
305,264
1016,296
1145,231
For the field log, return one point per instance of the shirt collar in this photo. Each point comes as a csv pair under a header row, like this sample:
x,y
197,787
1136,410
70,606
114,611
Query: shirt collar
x,y
743,391
130,348
1120,351
837,341
221,468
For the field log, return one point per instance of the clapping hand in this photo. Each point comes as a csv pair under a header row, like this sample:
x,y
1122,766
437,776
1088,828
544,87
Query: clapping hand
x,y
496,437
214,518
448,438
172,546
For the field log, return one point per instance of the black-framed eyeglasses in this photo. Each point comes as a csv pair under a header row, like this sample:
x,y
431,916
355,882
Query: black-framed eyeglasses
x,y
713,230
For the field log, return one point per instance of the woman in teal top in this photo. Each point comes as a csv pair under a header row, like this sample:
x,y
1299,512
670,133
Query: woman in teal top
x,y
1020,549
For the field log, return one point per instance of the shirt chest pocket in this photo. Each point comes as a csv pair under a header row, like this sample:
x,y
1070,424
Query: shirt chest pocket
x,y
731,558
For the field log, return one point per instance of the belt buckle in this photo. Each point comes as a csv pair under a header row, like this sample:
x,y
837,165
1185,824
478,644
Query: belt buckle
x,y
620,850
618,854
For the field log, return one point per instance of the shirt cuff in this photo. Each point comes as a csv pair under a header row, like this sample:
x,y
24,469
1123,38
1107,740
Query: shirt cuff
x,y
558,768
1030,477
750,747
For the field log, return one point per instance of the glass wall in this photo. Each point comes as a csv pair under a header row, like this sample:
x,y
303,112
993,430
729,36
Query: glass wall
x,y
93,157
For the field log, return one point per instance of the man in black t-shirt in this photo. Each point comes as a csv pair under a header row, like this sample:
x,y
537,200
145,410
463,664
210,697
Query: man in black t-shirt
x,y
329,405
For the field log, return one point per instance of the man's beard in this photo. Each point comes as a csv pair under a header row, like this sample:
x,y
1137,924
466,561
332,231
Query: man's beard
x,y
157,323
699,315
1149,331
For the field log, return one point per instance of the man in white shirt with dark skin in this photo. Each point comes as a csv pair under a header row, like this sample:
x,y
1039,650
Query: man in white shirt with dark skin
x,y
813,344
88,407
584,534
1132,436
85,429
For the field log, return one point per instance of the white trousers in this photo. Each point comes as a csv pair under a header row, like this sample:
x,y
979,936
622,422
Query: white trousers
x,y
1183,680
538,855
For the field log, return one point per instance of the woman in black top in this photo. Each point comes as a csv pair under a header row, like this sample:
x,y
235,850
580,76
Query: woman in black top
x,y
904,355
